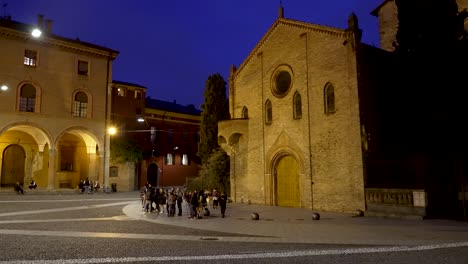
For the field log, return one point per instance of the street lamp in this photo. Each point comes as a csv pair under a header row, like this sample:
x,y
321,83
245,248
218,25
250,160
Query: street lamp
x,y
112,131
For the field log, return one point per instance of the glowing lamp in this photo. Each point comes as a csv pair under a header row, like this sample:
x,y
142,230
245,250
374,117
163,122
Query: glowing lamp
x,y
36,33
112,130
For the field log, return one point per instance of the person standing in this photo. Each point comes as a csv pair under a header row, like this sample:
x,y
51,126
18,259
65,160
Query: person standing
x,y
215,199
222,200
96,186
179,195
171,203
194,204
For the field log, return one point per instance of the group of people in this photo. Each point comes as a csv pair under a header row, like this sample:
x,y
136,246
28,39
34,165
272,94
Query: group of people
x,y
200,200
19,187
160,200
87,186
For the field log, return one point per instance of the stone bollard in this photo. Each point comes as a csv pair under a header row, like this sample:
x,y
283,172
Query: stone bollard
x,y
315,216
255,216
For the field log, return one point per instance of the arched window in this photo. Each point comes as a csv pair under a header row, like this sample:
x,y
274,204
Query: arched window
x,y
27,98
80,105
268,112
329,94
297,106
245,112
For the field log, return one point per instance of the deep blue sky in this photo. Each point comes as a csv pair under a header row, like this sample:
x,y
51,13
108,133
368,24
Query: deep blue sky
x,y
172,46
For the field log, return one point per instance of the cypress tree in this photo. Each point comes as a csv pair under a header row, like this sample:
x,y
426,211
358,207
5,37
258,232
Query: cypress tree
x,y
215,108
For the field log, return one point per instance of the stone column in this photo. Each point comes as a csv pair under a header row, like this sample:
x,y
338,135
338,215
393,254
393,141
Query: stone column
x,y
92,168
104,167
52,169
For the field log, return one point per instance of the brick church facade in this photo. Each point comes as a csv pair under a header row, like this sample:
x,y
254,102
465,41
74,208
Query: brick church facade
x,y
308,126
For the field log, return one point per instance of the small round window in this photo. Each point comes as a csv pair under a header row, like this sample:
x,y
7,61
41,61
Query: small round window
x,y
281,81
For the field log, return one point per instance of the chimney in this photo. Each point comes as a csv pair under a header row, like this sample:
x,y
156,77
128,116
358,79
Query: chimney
x,y
48,26
40,21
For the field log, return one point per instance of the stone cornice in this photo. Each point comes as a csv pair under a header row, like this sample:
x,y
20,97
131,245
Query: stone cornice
x,y
61,43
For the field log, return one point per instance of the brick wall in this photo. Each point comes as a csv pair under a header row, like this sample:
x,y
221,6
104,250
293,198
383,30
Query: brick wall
x,y
327,148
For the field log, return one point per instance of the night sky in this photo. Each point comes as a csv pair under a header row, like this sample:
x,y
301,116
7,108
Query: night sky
x,y
172,46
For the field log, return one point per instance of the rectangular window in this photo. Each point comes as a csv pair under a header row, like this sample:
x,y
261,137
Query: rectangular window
x,y
185,160
27,104
80,109
66,167
30,58
83,68
169,159
113,171
137,94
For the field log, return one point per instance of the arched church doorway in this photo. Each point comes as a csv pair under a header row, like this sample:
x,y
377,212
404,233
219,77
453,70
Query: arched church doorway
x,y
287,182
13,165
152,174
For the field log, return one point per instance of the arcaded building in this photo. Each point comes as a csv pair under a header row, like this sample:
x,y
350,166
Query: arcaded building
x,y
53,107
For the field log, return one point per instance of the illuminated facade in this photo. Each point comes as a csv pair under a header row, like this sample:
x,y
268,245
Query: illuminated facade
x,y
53,115
319,120
294,137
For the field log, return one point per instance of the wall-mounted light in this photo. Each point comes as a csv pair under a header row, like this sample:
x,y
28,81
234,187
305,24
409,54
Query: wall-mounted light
x,y
36,33
141,119
4,87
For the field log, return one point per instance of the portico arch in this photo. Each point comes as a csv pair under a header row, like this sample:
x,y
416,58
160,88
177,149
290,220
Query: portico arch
x,y
33,140
76,158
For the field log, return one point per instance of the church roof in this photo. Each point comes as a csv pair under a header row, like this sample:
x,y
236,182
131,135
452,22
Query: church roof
x,y
375,12
291,23
128,84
